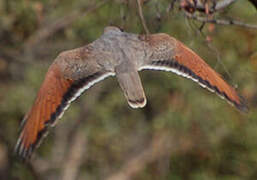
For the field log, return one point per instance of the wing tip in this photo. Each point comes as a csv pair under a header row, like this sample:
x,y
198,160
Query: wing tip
x,y
242,105
236,100
22,152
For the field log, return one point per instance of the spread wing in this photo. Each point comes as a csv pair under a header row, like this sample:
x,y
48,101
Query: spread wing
x,y
57,91
168,54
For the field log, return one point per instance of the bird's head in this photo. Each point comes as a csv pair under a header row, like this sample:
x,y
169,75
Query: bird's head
x,y
111,29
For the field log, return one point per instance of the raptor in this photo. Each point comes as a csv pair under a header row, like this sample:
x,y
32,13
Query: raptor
x,y
120,54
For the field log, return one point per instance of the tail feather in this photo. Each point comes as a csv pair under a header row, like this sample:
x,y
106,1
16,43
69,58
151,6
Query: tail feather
x,y
132,88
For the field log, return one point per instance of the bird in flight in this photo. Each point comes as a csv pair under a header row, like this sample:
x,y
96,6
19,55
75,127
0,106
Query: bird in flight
x,y
120,54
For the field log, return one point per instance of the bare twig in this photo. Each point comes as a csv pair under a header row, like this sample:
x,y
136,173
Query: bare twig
x,y
220,21
59,24
162,144
142,17
222,4
199,6
75,157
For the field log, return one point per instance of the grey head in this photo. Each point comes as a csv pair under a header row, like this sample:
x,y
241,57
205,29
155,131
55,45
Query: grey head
x,y
124,47
112,29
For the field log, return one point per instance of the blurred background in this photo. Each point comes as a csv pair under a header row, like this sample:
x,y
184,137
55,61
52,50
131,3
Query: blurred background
x,y
184,132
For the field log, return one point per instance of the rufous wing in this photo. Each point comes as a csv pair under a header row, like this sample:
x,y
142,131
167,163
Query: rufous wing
x,y
51,101
53,98
183,61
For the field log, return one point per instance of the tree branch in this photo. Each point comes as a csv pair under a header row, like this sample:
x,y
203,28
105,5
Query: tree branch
x,y
161,145
201,7
222,4
59,24
142,17
220,21
75,156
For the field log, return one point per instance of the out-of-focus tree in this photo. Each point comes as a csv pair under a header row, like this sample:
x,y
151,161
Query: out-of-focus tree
x,y
184,132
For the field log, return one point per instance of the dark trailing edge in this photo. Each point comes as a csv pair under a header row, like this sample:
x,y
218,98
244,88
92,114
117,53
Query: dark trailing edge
x,y
66,100
183,69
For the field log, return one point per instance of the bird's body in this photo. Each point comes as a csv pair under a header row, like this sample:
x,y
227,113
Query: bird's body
x,y
115,53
